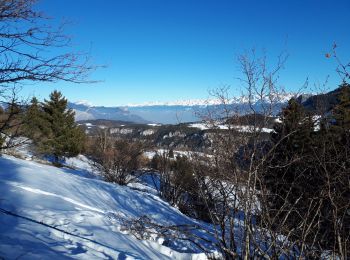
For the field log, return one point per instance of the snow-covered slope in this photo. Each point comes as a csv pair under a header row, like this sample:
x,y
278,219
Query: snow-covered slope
x,y
61,214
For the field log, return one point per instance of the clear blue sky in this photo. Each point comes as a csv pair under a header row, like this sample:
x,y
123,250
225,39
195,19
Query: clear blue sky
x,y
163,50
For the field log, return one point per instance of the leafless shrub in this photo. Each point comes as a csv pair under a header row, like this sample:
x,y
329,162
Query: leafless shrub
x,y
11,120
119,161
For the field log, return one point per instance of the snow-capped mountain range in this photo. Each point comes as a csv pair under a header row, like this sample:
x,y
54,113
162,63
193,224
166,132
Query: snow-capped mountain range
x,y
280,97
180,111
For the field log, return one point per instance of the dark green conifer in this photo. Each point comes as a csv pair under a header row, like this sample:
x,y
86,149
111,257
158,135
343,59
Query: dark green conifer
x,y
171,153
341,112
307,172
34,124
289,169
64,137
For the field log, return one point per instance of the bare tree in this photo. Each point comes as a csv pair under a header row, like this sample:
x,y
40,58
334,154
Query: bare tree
x,y
231,179
227,187
33,50
342,67
29,47
11,121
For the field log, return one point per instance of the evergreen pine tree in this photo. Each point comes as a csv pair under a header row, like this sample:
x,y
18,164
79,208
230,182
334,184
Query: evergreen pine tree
x,y
341,112
289,170
171,153
295,130
307,173
292,139
34,124
64,137
339,131
333,154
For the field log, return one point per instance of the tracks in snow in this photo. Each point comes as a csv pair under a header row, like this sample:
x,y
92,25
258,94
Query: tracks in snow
x,y
38,191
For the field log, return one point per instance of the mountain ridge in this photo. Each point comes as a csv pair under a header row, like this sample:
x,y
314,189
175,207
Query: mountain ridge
x,y
180,111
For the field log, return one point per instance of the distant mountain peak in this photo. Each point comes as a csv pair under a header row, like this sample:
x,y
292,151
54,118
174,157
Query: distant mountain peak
x,y
172,111
85,111
189,102
278,97
84,103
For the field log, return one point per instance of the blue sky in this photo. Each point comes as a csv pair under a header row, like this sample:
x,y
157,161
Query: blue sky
x,y
163,50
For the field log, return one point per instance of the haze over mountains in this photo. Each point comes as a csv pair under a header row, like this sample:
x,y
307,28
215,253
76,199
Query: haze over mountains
x,y
88,112
163,112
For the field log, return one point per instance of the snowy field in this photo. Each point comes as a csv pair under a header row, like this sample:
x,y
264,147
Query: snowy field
x,y
62,213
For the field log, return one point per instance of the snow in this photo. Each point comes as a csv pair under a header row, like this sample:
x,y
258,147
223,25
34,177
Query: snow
x,y
84,103
147,132
20,147
151,154
200,126
81,212
240,128
250,129
123,131
281,97
189,102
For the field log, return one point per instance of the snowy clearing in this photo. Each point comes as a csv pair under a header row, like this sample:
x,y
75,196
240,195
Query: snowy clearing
x,y
60,213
